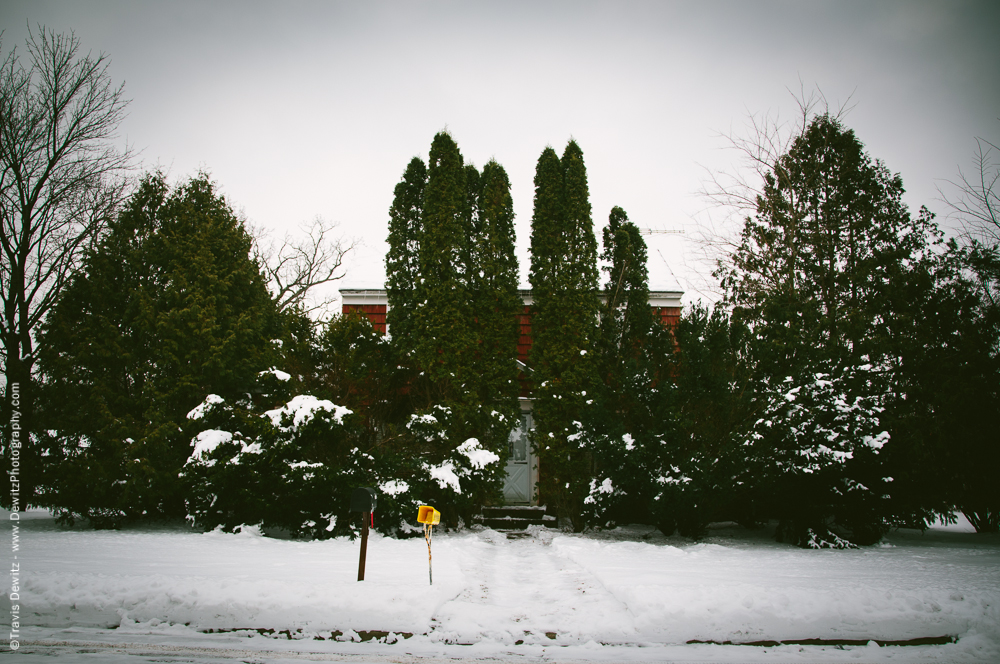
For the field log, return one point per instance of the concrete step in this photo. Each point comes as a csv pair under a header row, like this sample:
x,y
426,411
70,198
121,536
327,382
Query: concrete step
x,y
512,517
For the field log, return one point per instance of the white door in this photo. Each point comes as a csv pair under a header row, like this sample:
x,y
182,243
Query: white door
x,y
517,485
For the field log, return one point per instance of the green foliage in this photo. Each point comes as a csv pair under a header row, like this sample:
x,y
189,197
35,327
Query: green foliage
x,y
402,261
359,368
289,469
711,406
627,418
626,321
818,263
811,459
459,343
443,342
457,479
169,308
948,412
494,292
833,277
564,324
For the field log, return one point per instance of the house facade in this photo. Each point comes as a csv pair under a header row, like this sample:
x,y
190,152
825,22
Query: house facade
x,y
522,467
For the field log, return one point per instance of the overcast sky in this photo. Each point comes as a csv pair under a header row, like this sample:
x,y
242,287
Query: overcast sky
x,y
315,108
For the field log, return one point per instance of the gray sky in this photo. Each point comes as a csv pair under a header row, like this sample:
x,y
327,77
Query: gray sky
x,y
315,108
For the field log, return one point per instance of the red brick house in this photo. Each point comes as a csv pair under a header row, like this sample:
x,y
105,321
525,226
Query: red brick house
x,y
522,470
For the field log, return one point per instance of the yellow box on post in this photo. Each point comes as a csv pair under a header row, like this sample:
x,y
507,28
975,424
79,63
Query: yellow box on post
x,y
427,515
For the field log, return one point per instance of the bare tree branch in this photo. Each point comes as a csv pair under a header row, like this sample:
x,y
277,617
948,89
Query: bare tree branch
x,y
60,179
733,194
976,203
301,266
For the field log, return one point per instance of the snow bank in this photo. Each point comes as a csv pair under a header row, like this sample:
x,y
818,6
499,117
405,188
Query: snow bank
x,y
218,581
709,592
551,596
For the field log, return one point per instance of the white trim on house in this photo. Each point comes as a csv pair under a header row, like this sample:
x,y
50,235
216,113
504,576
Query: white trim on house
x,y
665,298
362,296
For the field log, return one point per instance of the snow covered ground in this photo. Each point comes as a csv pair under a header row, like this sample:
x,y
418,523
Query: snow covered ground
x,y
173,595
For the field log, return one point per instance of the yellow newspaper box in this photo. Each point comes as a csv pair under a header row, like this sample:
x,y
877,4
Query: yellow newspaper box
x,y
427,515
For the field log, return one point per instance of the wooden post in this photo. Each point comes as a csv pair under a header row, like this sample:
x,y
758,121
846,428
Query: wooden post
x,y
366,517
428,531
428,516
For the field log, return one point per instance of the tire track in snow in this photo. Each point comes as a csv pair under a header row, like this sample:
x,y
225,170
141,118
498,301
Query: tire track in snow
x,y
526,591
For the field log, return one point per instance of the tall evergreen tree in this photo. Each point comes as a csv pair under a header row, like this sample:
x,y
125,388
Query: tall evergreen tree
x,y
624,426
546,232
462,334
822,277
817,263
494,281
443,343
564,323
473,187
624,352
402,262
946,446
169,308
626,318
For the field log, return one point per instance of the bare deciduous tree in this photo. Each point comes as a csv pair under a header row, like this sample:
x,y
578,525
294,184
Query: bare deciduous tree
x,y
301,266
61,180
976,202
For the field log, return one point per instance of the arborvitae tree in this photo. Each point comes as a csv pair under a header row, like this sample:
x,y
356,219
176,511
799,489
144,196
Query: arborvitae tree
x,y
546,232
443,342
946,446
564,324
472,222
361,369
495,298
462,334
169,308
624,427
709,404
581,243
626,318
402,262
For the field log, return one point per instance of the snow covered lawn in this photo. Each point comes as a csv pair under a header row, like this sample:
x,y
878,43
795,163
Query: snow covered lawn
x,y
631,594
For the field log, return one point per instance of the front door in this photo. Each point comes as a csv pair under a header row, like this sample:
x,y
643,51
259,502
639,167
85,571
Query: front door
x,y
517,485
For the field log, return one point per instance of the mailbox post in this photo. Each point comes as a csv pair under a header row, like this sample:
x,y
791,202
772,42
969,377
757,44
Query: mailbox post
x,y
363,500
428,516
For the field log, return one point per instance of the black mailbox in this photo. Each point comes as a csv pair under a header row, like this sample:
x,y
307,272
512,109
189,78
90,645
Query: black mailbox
x,y
363,500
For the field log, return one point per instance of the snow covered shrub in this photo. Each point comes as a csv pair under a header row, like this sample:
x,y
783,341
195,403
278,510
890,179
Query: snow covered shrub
x,y
623,487
701,488
453,478
813,458
291,468
705,403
